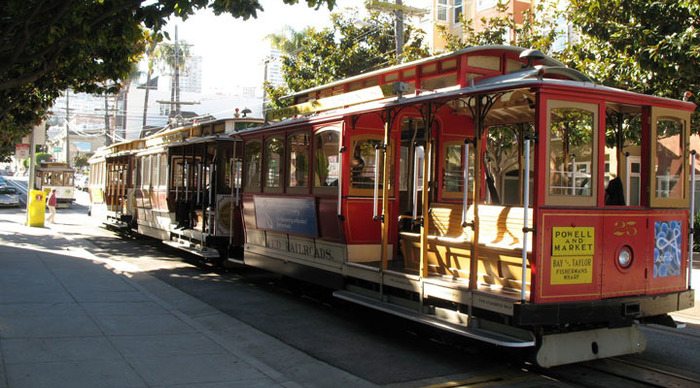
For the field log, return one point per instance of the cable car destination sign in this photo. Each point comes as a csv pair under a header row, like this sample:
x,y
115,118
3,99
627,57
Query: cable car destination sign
x,y
572,255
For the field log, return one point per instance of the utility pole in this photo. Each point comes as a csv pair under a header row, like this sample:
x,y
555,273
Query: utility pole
x,y
264,102
399,11
177,74
67,127
398,30
110,135
108,138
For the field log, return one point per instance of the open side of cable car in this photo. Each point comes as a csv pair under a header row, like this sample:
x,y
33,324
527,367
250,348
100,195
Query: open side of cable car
x,y
504,198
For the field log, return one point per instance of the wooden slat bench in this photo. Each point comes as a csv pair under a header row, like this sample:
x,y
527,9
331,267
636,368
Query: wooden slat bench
x,y
449,245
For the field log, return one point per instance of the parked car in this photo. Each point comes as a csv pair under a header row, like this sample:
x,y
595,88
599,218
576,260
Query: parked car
x,y
9,196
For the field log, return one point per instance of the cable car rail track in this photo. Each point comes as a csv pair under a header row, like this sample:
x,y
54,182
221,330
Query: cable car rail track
x,y
615,370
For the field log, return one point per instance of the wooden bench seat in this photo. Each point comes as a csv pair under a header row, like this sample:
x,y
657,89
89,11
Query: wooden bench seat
x,y
449,244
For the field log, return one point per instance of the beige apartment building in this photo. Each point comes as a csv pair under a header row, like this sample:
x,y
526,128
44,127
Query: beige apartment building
x,y
447,13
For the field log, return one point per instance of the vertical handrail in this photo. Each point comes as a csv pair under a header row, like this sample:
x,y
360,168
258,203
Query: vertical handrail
x,y
375,201
418,156
186,178
573,174
212,210
425,225
692,218
465,185
339,209
234,172
627,180
526,205
234,176
238,181
199,171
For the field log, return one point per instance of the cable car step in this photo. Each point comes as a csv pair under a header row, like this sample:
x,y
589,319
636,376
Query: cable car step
x,y
207,253
115,225
477,333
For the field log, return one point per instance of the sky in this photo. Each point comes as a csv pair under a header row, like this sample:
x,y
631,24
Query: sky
x,y
233,50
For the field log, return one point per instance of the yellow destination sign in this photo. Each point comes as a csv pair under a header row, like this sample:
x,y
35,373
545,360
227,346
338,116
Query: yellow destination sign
x,y
572,254
573,241
572,270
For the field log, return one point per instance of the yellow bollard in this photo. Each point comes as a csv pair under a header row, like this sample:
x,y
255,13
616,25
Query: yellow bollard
x,y
36,208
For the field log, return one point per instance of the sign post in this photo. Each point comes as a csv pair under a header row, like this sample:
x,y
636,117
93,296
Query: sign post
x,y
35,203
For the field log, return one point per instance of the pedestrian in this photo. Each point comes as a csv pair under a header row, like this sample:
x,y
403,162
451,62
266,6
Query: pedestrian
x,y
51,203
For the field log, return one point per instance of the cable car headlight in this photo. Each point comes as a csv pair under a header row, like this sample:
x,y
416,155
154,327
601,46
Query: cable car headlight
x,y
624,257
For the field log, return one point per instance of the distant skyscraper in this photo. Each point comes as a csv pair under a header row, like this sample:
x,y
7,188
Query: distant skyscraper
x,y
191,79
274,68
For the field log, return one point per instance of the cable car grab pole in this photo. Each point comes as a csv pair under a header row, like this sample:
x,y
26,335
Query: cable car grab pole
x,y
376,183
692,218
526,204
465,185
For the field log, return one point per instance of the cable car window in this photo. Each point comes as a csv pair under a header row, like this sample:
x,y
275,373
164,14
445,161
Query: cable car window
x,y
453,170
253,151
504,164
623,134
299,146
453,177
177,172
363,165
274,155
571,153
326,145
669,159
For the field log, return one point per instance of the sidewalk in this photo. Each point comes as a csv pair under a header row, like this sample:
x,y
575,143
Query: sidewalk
x,y
71,319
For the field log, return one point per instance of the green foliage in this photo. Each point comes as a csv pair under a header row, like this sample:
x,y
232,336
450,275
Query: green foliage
x,y
288,41
38,158
349,47
43,157
166,53
48,47
81,160
646,47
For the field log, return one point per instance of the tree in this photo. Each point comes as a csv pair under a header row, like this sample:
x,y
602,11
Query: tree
x,y
648,47
349,47
288,41
651,48
152,43
49,46
174,56
81,161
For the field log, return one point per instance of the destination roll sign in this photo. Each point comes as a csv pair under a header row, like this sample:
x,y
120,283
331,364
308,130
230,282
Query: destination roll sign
x,y
572,255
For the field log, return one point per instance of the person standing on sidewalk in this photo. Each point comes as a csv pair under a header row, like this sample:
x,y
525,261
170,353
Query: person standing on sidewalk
x,y
51,203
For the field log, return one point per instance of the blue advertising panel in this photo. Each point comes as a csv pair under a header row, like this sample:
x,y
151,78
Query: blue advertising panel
x,y
286,215
667,248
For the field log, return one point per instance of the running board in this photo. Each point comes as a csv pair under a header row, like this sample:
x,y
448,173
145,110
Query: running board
x,y
115,226
207,253
476,333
